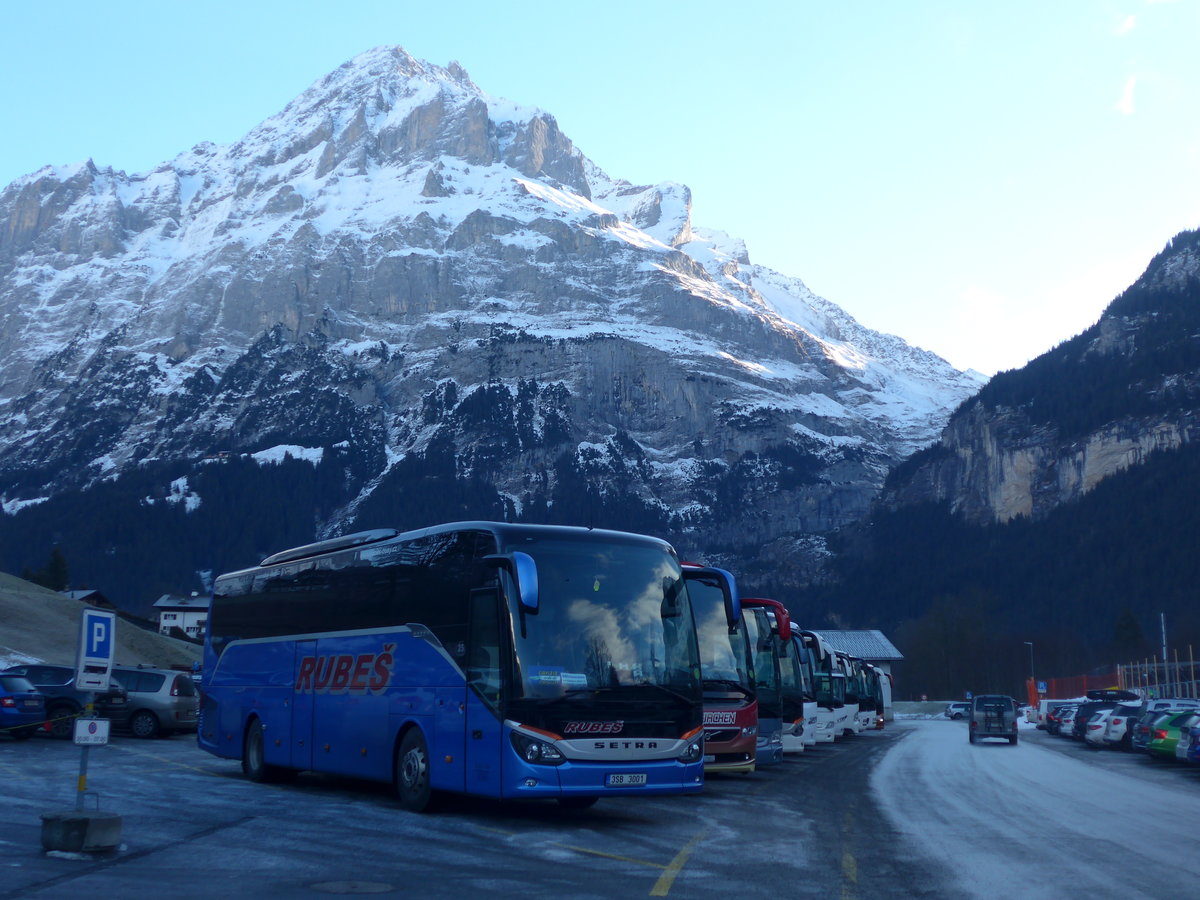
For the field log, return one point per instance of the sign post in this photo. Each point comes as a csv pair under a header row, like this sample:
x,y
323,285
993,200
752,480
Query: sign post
x,y
79,831
93,672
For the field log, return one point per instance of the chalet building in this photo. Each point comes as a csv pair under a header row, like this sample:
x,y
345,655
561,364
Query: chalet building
x,y
91,598
189,614
871,646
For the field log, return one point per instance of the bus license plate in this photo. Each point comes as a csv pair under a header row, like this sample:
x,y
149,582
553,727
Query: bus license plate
x,y
624,780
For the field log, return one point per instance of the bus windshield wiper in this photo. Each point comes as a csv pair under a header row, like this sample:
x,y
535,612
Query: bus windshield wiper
x,y
572,694
728,683
678,695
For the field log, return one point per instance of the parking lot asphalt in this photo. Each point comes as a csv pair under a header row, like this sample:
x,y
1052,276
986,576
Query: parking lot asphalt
x,y
194,827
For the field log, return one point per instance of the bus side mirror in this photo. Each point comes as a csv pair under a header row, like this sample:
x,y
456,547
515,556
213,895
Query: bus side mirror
x,y
728,586
523,570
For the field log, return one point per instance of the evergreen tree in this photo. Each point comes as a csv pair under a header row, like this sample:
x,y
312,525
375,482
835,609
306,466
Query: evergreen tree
x,y
54,575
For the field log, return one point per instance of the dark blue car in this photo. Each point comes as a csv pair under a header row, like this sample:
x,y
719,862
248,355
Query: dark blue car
x,y
22,707
65,702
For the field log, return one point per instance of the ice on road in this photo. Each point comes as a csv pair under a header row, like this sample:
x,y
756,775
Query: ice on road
x,y
1036,819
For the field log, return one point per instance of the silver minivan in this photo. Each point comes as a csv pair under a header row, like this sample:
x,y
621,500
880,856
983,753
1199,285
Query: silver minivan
x,y
161,701
958,709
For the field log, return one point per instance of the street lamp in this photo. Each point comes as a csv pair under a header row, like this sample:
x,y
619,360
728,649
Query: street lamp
x,y
1029,644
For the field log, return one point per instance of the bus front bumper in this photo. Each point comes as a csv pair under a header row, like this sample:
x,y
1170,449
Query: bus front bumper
x,y
601,779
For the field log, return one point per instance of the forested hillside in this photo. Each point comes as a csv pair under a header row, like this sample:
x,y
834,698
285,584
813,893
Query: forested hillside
x,y
1140,360
1086,584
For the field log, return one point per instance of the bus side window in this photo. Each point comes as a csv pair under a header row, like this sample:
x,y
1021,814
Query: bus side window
x,y
483,653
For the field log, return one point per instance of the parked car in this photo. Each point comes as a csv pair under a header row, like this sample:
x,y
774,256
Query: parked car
x,y
1120,726
958,709
1084,715
1193,755
993,715
1151,711
1053,718
64,702
1185,740
1045,707
1066,721
161,701
1097,728
1166,732
22,707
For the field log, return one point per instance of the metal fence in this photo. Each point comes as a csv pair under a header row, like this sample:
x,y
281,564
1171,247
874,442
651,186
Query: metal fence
x,y
1175,677
1152,677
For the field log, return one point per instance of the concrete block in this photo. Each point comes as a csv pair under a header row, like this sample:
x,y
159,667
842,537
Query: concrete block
x,y
81,832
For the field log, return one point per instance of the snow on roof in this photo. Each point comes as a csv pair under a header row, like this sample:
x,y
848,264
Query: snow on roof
x,y
863,644
170,601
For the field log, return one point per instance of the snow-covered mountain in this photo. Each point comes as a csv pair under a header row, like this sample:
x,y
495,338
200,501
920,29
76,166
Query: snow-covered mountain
x,y
414,280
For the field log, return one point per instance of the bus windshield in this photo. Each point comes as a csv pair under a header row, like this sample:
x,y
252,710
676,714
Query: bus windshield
x,y
791,682
806,670
831,689
724,650
766,665
610,617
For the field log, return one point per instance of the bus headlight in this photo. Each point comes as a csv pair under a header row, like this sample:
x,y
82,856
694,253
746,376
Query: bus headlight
x,y
750,731
692,752
535,750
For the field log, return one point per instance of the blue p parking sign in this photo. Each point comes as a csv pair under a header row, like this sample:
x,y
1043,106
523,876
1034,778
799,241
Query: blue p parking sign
x,y
97,643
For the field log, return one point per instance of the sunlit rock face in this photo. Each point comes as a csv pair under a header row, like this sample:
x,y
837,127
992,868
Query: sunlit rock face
x,y
1096,405
405,268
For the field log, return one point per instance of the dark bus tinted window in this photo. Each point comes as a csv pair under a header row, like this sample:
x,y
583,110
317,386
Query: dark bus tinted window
x,y
426,581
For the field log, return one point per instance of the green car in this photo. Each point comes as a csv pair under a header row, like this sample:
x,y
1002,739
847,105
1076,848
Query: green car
x,y
1166,732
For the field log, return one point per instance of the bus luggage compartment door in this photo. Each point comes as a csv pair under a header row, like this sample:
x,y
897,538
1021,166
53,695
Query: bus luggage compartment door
x,y
302,710
447,756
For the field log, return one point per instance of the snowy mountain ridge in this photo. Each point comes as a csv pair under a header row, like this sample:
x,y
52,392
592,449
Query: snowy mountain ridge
x,y
340,256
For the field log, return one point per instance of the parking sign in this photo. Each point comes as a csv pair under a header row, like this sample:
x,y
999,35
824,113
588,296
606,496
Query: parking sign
x,y
97,644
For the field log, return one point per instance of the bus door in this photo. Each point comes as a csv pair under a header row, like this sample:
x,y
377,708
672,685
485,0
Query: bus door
x,y
302,709
484,668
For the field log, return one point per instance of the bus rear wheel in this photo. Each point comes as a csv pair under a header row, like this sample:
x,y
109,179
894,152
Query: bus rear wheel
x,y
411,778
254,763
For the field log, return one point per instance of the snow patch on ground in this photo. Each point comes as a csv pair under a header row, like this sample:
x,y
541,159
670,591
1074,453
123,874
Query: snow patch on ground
x,y
12,507
10,657
278,454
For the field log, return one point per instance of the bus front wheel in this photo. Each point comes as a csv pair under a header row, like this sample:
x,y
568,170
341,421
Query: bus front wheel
x,y
412,772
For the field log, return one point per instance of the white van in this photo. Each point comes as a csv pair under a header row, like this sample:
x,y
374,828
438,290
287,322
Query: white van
x,y
1044,706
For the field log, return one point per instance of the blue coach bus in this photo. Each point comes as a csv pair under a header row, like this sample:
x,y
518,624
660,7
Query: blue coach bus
x,y
503,660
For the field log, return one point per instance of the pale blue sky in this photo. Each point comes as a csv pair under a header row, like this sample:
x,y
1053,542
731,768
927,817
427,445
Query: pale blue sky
x,y
979,178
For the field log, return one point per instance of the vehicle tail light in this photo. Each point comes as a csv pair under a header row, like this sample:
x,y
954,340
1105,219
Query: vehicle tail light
x,y
7,701
175,686
1159,734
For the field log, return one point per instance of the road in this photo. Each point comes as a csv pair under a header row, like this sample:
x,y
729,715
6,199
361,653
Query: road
x,y
817,826
1046,818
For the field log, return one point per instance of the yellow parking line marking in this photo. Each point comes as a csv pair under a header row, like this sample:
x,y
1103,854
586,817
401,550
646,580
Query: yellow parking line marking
x,y
587,850
849,867
849,863
497,831
163,759
663,886
628,859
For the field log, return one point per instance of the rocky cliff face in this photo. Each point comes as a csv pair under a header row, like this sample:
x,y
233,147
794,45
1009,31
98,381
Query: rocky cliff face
x,y
1097,404
405,269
